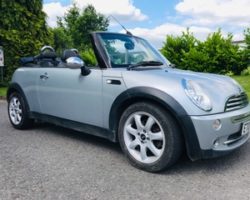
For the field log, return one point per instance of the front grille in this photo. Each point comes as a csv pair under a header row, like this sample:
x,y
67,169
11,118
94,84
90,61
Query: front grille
x,y
236,102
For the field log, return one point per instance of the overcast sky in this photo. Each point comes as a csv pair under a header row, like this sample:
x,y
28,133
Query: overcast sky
x,y
154,19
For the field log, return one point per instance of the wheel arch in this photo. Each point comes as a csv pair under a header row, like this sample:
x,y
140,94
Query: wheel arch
x,y
168,103
15,87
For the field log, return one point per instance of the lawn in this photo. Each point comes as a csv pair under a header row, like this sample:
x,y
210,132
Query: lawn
x,y
245,83
3,91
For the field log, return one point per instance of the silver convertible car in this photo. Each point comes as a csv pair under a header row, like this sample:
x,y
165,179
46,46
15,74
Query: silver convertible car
x,y
132,96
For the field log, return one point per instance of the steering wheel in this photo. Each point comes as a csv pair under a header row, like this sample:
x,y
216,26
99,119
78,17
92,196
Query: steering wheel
x,y
47,48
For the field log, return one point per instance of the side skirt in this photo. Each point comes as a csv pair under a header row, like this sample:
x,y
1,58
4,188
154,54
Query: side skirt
x,y
77,126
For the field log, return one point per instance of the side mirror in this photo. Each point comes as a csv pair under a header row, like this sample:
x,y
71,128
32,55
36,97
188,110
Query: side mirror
x,y
77,63
85,71
74,62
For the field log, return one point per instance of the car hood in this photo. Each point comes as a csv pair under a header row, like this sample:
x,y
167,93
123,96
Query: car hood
x,y
218,88
211,81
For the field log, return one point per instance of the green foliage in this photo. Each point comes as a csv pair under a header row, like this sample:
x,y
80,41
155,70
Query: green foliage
x,y
71,18
61,39
89,57
223,55
230,73
246,72
3,91
175,47
247,37
78,25
88,22
74,28
216,54
244,82
68,24
195,58
247,41
23,31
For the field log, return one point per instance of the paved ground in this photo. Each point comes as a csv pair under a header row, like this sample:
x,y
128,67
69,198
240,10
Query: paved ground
x,y
49,162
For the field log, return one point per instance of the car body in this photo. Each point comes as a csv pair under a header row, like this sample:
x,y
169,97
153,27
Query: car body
x,y
211,112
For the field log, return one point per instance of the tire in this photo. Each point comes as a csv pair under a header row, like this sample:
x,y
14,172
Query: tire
x,y
18,112
149,137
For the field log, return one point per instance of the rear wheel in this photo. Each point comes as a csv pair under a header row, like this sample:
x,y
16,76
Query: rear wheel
x,y
149,137
18,112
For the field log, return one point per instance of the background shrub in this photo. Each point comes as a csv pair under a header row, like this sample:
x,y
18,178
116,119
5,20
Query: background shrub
x,y
217,54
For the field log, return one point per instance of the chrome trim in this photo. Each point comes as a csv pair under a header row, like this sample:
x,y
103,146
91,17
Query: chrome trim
x,y
228,142
241,118
236,102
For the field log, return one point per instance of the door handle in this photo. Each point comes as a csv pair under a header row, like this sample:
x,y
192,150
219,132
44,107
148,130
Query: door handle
x,y
114,82
44,76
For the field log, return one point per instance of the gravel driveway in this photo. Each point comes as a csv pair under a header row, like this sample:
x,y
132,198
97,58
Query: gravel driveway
x,y
49,162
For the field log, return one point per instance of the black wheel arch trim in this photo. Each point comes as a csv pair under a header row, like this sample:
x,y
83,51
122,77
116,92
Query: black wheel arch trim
x,y
16,87
169,103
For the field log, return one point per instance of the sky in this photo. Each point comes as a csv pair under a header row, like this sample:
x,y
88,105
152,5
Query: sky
x,y
154,19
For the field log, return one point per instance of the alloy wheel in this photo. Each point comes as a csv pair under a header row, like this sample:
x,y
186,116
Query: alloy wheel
x,y
15,111
144,137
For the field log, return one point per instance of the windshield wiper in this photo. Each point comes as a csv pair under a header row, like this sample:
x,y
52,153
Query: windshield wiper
x,y
145,63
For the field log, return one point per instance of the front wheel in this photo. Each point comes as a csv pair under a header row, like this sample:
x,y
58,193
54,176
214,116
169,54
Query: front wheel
x,y
18,112
149,137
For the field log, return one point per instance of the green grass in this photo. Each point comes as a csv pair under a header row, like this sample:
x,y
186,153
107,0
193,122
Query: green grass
x,y
3,91
245,83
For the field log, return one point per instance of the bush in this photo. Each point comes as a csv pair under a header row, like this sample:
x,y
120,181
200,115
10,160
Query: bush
x,y
215,55
246,72
176,47
89,57
23,30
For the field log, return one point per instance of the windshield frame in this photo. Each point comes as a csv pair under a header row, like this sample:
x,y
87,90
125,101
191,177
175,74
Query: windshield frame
x,y
156,53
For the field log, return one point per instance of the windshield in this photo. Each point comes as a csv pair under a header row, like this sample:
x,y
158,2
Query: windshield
x,y
126,50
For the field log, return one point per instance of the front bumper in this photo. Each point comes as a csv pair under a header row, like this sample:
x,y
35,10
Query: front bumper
x,y
214,143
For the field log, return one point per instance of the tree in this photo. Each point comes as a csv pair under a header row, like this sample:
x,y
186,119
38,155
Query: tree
x,y
79,24
61,39
247,41
88,22
23,30
73,31
247,37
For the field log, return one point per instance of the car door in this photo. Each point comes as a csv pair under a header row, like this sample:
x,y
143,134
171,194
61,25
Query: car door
x,y
28,81
65,93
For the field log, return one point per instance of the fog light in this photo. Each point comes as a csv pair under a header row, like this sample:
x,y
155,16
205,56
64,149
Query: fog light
x,y
217,124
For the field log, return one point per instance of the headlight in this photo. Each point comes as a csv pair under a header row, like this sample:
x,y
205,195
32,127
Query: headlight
x,y
197,95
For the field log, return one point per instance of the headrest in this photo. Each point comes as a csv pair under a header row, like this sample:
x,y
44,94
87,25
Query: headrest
x,y
47,55
67,54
